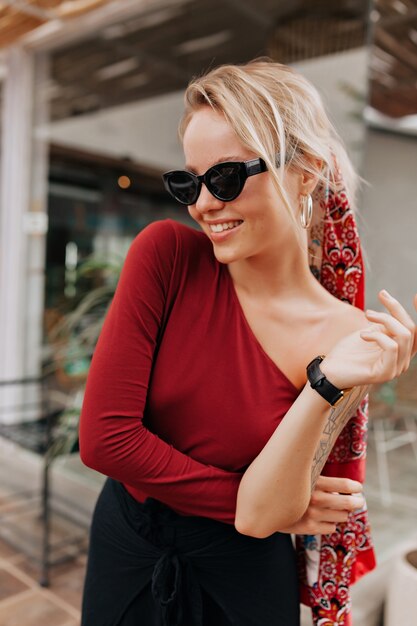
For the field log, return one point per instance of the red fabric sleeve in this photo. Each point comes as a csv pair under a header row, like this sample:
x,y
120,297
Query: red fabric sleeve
x,y
113,438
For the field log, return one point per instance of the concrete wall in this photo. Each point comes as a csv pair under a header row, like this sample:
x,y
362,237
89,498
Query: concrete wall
x,y
389,216
144,131
333,76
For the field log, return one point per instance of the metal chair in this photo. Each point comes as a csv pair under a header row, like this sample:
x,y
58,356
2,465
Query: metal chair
x,y
52,434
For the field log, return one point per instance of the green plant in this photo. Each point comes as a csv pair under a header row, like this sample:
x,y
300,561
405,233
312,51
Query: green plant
x,y
72,340
73,337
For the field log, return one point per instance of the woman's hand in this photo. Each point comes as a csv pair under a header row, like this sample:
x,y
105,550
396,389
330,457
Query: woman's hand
x,y
375,354
331,502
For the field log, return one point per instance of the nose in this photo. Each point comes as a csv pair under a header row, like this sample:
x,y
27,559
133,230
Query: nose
x,y
207,202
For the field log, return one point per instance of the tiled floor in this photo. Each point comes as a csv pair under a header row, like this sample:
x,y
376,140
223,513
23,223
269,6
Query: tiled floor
x,y
23,602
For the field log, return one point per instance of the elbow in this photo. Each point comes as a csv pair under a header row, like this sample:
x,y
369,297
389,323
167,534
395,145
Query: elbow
x,y
86,446
251,530
89,456
93,451
86,457
262,525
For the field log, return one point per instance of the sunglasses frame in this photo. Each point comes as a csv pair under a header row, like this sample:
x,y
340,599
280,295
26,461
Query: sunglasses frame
x,y
245,169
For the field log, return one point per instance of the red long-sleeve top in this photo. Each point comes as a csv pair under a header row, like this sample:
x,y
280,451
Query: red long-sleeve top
x,y
180,397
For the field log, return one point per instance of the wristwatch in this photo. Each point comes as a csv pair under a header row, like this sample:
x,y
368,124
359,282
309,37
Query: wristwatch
x,y
322,385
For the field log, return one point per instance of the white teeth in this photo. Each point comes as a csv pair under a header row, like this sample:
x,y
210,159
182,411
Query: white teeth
x,y
218,228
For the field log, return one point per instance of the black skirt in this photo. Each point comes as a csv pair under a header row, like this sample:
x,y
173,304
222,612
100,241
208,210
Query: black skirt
x,y
149,566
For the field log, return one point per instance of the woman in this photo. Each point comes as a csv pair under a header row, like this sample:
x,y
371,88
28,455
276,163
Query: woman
x,y
198,405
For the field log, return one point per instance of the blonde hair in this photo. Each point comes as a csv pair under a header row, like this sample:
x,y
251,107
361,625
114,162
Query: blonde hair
x,y
274,111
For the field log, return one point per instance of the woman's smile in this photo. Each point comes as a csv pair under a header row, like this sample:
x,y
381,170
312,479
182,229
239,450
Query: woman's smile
x,y
219,231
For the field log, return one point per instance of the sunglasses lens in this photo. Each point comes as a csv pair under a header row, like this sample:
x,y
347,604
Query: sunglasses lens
x,y
225,181
183,187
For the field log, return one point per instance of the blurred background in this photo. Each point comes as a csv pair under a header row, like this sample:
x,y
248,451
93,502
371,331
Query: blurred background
x,y
90,97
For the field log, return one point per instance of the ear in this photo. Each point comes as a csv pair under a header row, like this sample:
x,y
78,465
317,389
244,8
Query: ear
x,y
309,179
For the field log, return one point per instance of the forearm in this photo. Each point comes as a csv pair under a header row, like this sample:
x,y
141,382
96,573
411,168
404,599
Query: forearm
x,y
121,447
276,488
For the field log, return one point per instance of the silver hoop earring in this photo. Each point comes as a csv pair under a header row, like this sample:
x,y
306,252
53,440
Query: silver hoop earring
x,y
306,214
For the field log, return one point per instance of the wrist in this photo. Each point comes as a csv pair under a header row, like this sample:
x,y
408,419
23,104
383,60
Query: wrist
x,y
334,373
323,381
316,402
330,373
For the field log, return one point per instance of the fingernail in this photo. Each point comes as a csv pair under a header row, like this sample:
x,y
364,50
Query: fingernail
x,y
371,312
385,293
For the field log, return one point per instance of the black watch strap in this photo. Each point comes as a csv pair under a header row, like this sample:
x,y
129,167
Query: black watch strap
x,y
321,384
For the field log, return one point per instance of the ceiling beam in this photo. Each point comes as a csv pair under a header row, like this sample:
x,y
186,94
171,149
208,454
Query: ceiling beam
x,y
58,33
395,20
30,9
393,46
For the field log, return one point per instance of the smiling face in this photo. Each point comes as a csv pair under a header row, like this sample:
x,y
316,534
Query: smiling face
x,y
257,220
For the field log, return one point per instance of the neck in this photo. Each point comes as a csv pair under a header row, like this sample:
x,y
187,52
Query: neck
x,y
272,275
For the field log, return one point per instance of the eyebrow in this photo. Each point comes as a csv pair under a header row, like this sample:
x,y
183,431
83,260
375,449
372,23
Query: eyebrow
x,y
228,157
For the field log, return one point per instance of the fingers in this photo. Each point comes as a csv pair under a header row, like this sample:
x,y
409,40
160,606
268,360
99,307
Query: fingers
x,y
391,323
340,485
388,363
326,529
337,501
337,494
396,309
311,528
318,528
399,325
319,520
331,516
331,503
399,333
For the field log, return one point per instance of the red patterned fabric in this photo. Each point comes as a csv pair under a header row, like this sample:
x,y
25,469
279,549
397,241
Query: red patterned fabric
x,y
329,564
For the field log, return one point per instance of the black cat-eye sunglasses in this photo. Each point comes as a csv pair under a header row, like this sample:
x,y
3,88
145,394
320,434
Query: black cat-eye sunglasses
x,y
224,180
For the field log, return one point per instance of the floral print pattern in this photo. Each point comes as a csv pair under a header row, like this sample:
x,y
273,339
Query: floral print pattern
x,y
329,564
